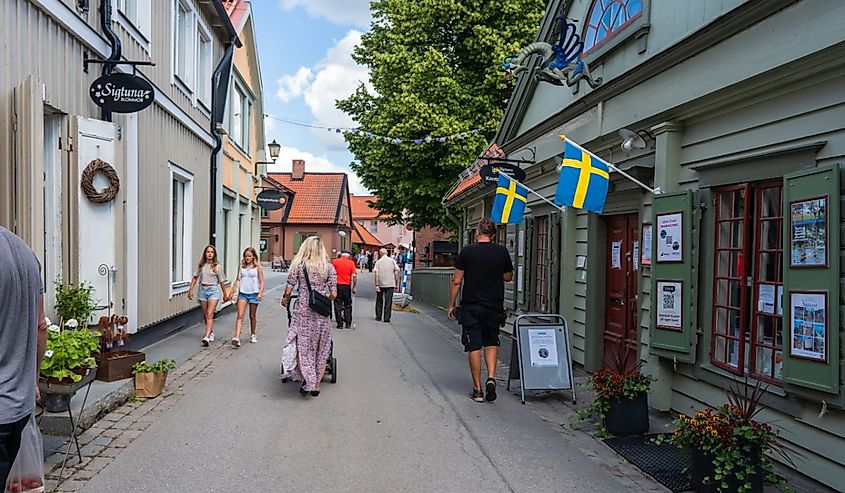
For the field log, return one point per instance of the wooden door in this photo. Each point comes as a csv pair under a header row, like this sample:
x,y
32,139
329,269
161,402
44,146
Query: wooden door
x,y
620,333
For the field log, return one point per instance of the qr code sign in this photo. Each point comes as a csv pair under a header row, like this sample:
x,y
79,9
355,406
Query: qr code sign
x,y
668,302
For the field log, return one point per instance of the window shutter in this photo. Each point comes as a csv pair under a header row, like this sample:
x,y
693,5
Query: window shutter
x,y
677,344
799,372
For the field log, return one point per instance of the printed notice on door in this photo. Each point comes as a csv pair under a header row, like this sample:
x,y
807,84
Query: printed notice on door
x,y
670,246
543,346
669,305
616,255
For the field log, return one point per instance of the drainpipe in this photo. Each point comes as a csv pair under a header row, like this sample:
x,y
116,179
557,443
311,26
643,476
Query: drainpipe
x,y
116,47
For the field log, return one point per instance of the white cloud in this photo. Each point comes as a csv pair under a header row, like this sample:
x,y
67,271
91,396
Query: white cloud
x,y
292,86
343,12
314,163
269,123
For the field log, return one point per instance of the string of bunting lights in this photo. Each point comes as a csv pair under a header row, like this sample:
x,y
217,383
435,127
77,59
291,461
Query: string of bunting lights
x,y
371,135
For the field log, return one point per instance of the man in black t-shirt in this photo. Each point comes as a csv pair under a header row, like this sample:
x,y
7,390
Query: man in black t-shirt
x,y
482,268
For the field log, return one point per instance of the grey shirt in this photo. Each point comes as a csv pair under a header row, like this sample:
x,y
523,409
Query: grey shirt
x,y
20,286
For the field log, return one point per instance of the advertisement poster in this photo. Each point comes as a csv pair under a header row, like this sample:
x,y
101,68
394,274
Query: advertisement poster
x,y
543,347
616,255
766,298
669,305
647,242
808,233
670,246
808,325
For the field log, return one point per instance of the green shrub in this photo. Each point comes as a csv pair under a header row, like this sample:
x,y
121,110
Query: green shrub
x,y
162,365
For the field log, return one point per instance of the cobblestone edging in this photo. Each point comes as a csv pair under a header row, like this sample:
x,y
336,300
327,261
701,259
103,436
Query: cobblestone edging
x,y
106,438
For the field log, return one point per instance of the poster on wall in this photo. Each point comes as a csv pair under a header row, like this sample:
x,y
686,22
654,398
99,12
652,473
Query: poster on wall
x,y
616,255
670,246
808,325
542,343
670,305
808,232
519,271
520,246
647,242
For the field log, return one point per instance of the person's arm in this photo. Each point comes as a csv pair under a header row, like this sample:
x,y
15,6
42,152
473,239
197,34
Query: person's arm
x,y
454,289
191,287
378,284
508,275
221,278
41,342
228,294
260,282
354,281
398,275
293,279
332,283
286,297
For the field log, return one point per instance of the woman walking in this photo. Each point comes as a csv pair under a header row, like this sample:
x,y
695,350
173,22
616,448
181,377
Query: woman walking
x,y
212,285
311,331
250,288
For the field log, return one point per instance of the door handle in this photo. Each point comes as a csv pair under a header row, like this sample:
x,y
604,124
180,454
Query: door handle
x,y
617,300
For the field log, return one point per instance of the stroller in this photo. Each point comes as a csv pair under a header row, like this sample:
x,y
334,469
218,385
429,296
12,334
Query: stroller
x,y
331,363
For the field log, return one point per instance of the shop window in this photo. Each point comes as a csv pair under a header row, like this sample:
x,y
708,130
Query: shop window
x,y
373,226
240,116
300,238
541,264
747,318
606,18
502,235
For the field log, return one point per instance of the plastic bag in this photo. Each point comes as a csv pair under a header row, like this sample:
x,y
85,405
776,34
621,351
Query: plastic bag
x,y
27,474
289,359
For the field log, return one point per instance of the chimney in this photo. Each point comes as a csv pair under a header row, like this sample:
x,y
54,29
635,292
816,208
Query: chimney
x,y
298,170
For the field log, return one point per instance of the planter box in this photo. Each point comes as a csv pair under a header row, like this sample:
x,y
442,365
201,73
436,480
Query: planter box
x,y
627,416
117,365
150,385
702,467
56,395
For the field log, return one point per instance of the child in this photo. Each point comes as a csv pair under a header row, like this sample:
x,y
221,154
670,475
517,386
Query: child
x,y
209,275
251,281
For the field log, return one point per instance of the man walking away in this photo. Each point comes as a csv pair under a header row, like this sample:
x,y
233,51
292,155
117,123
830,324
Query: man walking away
x,y
370,261
23,337
347,277
482,268
387,280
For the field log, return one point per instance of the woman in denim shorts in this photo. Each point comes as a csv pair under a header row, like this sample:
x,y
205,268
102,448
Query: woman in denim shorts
x,y
212,285
250,285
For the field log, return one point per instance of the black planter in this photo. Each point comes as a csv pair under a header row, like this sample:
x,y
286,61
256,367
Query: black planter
x,y
627,416
55,403
702,467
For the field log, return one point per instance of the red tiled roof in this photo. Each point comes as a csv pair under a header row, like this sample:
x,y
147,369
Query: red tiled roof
x,y
363,237
237,10
318,196
361,208
465,185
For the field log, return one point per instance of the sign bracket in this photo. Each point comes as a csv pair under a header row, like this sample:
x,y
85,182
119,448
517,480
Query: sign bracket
x,y
135,64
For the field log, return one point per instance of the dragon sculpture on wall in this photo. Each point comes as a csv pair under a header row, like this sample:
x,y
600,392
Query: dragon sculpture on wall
x,y
561,63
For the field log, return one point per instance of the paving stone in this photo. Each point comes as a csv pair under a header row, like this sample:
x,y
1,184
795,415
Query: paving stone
x,y
111,433
92,449
131,434
121,442
88,435
70,486
102,440
110,452
98,464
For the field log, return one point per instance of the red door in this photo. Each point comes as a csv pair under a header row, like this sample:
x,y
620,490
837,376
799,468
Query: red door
x,y
620,333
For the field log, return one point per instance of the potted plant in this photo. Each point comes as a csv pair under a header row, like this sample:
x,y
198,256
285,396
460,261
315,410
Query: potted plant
x,y
728,450
620,406
150,378
74,302
67,362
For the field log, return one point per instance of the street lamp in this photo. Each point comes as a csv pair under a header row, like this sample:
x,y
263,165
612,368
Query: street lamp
x,y
275,148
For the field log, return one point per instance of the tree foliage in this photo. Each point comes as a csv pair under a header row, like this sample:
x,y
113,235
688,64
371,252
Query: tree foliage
x,y
435,67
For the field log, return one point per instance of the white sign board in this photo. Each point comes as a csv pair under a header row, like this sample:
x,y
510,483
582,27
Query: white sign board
x,y
670,238
543,348
669,305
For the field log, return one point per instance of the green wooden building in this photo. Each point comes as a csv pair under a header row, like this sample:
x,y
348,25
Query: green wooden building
x,y
732,270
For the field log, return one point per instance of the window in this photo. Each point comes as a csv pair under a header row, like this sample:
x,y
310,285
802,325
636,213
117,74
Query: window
x,y
373,226
747,316
265,213
240,117
541,265
183,27
608,17
502,235
300,237
138,13
181,205
204,68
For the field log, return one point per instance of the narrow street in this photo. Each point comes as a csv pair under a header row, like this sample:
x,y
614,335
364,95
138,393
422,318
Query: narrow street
x,y
397,420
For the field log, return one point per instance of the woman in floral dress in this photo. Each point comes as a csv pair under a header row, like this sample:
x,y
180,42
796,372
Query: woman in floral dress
x,y
311,331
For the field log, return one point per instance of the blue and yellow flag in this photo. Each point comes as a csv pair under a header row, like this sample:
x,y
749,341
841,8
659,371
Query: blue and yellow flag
x,y
509,204
583,180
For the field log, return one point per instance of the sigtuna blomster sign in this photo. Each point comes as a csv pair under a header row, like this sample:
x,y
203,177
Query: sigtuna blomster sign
x,y
122,93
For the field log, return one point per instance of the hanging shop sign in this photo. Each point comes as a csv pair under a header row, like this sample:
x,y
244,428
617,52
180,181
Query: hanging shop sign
x,y
122,93
490,172
271,200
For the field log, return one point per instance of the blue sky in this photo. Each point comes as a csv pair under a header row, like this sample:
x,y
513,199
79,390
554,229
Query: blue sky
x,y
304,48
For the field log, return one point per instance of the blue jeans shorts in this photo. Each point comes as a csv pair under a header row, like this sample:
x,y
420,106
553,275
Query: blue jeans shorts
x,y
251,298
211,292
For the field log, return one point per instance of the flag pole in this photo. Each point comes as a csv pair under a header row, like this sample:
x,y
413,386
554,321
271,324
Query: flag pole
x,y
544,199
655,191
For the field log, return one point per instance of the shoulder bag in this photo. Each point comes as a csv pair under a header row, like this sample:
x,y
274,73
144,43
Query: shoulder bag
x,y
317,301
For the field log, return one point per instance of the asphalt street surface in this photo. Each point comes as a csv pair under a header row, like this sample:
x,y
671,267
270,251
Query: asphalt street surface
x,y
399,419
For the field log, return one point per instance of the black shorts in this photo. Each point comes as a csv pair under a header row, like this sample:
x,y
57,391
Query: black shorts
x,y
479,327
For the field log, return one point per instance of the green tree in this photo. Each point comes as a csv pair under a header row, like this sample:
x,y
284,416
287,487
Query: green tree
x,y
435,67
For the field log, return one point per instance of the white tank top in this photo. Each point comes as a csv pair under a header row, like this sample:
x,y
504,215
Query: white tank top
x,y
249,281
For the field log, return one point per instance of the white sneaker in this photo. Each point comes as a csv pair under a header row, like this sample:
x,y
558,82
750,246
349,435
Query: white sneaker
x,y
253,339
211,337
236,342
205,341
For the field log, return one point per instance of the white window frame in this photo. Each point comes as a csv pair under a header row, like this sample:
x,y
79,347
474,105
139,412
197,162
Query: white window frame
x,y
186,86
178,173
137,22
203,33
246,123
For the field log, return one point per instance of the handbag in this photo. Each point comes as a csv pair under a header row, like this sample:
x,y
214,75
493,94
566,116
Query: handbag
x,y
317,301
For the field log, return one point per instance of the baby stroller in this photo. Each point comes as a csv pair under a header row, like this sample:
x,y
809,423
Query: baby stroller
x,y
331,363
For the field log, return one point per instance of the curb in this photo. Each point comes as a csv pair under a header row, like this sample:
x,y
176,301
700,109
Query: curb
x,y
59,423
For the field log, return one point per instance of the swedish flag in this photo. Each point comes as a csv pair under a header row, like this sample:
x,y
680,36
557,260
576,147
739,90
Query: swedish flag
x,y
509,204
583,180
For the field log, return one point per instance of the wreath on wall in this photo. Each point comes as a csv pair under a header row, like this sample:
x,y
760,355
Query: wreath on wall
x,y
87,182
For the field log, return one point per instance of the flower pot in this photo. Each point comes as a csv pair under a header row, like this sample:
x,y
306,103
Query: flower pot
x,y
117,365
55,403
150,384
701,467
627,416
